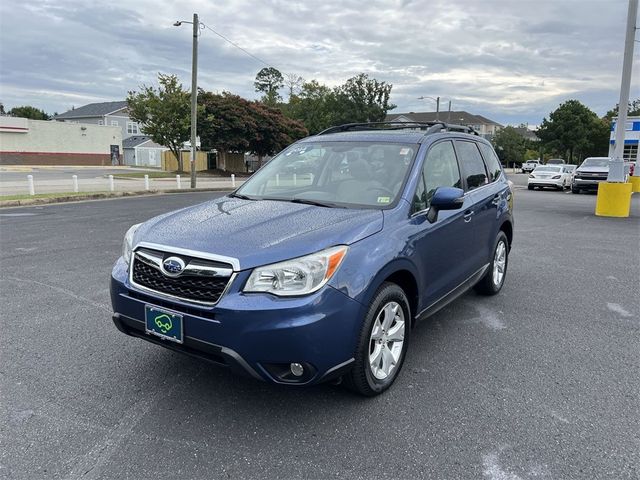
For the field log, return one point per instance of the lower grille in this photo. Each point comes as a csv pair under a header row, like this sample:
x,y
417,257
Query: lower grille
x,y
188,286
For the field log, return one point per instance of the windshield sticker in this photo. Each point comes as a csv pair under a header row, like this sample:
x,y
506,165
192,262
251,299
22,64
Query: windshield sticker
x,y
404,151
297,150
384,199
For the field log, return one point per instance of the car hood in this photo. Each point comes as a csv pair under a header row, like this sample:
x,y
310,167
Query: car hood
x,y
259,232
592,170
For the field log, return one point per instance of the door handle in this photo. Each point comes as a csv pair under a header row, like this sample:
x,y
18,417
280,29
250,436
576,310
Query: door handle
x,y
467,215
496,200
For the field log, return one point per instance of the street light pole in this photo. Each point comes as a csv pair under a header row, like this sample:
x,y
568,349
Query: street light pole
x,y
437,100
616,165
194,98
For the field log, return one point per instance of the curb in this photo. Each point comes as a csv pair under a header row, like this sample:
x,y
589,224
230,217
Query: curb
x,y
102,196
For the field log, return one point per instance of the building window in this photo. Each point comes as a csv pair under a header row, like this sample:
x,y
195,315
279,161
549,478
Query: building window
x,y
114,123
132,128
630,153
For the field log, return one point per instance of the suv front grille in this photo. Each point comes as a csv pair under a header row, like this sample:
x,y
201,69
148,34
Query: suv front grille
x,y
195,285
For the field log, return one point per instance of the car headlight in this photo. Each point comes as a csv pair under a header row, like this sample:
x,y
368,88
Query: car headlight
x,y
127,243
532,176
298,276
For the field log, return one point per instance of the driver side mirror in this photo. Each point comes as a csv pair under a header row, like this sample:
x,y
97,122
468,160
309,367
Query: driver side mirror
x,y
445,198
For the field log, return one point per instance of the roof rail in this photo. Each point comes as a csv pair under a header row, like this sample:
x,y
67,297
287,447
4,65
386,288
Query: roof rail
x,y
430,127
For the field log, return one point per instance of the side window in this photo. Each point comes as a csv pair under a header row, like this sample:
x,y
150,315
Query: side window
x,y
491,160
440,169
472,164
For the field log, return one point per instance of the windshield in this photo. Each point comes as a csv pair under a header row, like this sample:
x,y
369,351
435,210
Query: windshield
x,y
595,162
547,169
360,174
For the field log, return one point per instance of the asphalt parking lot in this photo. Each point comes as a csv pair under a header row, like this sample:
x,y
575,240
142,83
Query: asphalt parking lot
x,y
539,382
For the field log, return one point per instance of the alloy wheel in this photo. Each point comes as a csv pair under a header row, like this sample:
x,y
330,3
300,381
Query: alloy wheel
x,y
387,340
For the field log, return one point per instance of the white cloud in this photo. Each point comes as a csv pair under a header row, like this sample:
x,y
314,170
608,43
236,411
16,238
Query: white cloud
x,y
510,61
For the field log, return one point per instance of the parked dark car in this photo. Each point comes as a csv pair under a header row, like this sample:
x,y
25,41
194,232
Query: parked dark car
x,y
325,279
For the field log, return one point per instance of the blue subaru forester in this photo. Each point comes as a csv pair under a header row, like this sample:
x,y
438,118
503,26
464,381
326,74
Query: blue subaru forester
x,y
320,265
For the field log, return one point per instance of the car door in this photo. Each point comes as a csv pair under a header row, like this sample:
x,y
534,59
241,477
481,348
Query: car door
x,y
441,249
485,197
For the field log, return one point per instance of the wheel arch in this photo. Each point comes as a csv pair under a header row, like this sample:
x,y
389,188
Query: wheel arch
x,y
403,274
507,228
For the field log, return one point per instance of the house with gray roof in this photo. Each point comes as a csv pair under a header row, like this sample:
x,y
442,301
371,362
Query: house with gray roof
x,y
113,114
141,151
484,126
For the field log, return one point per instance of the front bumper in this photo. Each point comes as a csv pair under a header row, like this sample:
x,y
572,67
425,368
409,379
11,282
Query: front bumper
x,y
257,334
545,182
587,184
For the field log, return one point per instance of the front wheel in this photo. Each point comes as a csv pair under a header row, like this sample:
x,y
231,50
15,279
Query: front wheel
x,y
574,189
383,342
493,280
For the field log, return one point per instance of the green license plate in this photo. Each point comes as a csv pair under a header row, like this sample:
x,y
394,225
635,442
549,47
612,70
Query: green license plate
x,y
162,323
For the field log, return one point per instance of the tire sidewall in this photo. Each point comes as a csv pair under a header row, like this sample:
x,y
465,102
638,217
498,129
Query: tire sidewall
x,y
501,237
388,293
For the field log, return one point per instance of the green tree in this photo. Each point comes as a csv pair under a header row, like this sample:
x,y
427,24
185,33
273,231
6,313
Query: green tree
x,y
27,111
362,99
575,130
268,81
165,113
632,110
313,106
510,146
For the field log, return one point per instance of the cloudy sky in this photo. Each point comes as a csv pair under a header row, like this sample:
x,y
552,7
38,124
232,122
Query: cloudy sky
x,y
512,61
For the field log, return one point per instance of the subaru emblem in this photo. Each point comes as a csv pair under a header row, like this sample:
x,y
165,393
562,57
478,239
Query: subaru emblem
x,y
173,266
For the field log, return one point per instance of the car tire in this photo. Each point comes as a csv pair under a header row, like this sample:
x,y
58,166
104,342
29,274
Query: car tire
x,y
387,310
530,187
575,190
492,281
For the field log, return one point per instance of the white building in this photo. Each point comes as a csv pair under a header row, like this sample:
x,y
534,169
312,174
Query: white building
x,y
631,138
40,142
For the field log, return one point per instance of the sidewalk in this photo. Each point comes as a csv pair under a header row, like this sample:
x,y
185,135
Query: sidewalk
x,y
98,184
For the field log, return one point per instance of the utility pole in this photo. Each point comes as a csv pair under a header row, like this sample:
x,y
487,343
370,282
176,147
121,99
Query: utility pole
x,y
616,165
437,108
194,98
449,114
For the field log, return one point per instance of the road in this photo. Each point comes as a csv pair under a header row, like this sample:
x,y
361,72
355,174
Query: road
x,y
538,382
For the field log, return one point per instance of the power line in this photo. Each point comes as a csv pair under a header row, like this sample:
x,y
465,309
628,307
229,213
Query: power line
x,y
236,45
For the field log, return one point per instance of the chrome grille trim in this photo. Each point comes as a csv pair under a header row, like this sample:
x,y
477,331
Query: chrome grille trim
x,y
198,269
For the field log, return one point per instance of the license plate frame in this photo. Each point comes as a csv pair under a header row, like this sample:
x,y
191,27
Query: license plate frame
x,y
164,323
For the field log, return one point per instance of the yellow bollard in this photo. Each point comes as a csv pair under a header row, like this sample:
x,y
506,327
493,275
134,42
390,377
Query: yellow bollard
x,y
614,199
635,183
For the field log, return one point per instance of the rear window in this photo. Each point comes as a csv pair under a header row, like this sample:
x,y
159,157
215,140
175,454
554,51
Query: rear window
x,y
491,159
548,169
472,164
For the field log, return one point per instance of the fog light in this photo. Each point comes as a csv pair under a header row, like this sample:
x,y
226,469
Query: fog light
x,y
297,369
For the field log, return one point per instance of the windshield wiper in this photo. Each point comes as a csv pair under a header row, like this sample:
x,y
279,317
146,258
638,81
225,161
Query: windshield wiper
x,y
317,203
239,195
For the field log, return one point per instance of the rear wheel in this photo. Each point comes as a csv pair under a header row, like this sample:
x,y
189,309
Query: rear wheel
x,y
530,187
574,189
383,342
493,280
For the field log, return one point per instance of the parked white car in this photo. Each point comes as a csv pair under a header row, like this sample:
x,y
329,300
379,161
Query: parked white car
x,y
530,165
556,176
